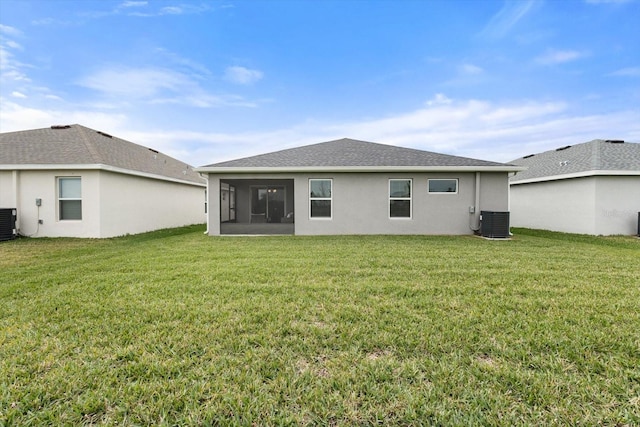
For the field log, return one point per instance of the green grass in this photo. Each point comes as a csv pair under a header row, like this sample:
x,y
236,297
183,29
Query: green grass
x,y
177,328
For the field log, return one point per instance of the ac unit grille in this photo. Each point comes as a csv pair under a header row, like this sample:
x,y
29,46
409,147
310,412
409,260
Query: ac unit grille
x,y
494,224
7,224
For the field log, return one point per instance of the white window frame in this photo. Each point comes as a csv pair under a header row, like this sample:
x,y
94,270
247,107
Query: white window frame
x,y
312,199
442,192
391,198
63,199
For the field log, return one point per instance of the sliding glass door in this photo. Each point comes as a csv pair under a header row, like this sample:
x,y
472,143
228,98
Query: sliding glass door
x,y
267,204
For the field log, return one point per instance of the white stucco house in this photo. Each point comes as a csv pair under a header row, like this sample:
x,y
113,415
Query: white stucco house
x,y
72,181
348,186
589,188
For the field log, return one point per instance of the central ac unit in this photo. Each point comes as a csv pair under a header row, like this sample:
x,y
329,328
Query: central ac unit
x,y
494,224
8,224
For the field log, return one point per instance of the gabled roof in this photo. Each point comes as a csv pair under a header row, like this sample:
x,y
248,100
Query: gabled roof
x,y
351,155
597,157
75,146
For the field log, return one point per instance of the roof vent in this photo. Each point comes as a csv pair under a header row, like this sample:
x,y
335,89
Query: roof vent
x,y
615,141
61,127
563,148
104,134
530,155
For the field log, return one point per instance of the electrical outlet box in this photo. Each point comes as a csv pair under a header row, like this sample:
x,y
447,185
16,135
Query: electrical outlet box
x,y
38,202
472,209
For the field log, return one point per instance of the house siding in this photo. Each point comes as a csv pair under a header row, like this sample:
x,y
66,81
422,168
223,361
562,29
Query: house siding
x,y
131,204
565,205
596,205
361,203
617,205
32,185
112,204
7,191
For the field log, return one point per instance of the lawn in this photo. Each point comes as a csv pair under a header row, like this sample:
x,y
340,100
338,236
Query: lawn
x,y
177,328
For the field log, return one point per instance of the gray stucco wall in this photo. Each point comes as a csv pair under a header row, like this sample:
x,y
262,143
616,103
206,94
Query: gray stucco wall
x,y
617,205
113,204
597,205
361,203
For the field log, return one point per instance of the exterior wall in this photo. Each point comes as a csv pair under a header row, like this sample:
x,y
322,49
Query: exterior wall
x,y
597,205
131,204
32,185
112,204
617,205
563,205
361,203
7,190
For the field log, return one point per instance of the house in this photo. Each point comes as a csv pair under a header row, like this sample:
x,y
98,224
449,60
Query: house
x,y
589,188
353,187
74,181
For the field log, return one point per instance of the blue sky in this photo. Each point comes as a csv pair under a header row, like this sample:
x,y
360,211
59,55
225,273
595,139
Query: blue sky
x,y
207,81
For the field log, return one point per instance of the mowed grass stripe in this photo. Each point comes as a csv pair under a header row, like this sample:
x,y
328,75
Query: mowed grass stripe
x,y
177,328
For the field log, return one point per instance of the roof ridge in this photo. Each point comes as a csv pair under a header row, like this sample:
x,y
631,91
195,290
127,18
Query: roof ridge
x,y
347,152
79,145
95,155
596,155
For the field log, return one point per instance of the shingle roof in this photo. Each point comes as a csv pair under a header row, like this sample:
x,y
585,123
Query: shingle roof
x,y
596,155
344,153
79,145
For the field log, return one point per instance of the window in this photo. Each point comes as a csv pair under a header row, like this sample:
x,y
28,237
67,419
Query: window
x,y
449,186
400,198
69,199
320,197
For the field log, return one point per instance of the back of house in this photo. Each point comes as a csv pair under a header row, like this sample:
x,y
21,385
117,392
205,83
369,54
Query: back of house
x,y
589,188
348,186
72,181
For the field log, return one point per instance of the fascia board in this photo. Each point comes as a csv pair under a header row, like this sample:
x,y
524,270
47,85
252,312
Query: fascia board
x,y
356,169
583,174
108,168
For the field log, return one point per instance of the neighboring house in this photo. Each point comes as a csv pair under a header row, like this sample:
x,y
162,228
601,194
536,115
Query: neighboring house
x,y
590,188
353,187
73,181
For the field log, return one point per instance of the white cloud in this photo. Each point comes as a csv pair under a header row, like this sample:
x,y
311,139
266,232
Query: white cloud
x,y
10,31
507,18
156,86
19,117
470,69
438,99
171,10
471,128
181,9
182,62
242,75
12,70
13,45
627,72
552,57
135,82
608,1
127,4
17,94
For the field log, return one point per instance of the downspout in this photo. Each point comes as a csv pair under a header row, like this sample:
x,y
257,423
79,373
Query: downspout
x,y
15,177
206,201
476,208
